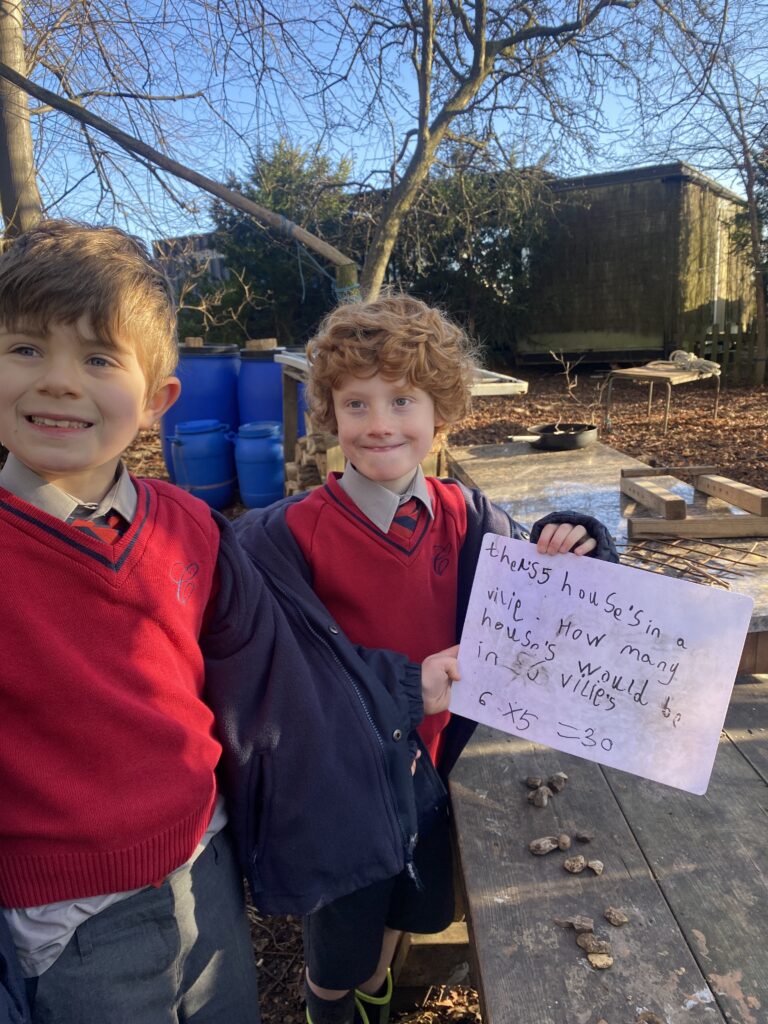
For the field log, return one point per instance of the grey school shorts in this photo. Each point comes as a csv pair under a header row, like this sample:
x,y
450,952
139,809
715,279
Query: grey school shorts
x,y
177,952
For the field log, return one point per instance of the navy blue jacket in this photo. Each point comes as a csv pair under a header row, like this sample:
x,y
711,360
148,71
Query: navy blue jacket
x,y
316,765
13,1002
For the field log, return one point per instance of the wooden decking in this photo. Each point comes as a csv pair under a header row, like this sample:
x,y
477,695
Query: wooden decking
x,y
691,873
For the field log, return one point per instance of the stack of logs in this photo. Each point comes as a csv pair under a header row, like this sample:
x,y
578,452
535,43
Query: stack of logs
x,y
318,454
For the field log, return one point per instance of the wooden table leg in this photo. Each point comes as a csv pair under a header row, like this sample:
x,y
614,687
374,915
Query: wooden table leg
x,y
607,425
290,414
666,407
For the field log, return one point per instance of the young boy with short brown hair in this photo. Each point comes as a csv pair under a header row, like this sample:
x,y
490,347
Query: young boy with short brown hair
x,y
117,879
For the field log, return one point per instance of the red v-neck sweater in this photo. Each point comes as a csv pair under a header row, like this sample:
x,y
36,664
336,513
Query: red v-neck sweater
x,y
396,590
108,754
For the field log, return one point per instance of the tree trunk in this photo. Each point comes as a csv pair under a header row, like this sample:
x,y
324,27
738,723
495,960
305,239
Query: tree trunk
x,y
19,197
761,341
397,206
405,193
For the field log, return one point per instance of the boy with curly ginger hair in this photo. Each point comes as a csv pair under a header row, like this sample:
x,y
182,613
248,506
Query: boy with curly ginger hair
x,y
391,553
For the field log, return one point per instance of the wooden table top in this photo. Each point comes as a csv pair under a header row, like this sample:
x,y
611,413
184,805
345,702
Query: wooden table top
x,y
690,872
663,370
529,482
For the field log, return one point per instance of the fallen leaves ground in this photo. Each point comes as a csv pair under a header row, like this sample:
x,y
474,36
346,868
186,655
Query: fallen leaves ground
x,y
737,442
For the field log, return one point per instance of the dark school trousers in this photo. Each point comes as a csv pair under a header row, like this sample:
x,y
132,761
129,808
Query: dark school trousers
x,y
174,954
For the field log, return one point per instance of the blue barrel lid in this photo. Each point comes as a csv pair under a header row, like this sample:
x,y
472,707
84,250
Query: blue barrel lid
x,y
200,426
263,428
201,351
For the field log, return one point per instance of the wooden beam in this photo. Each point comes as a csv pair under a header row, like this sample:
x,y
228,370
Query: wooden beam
x,y
752,499
655,496
679,471
276,221
639,527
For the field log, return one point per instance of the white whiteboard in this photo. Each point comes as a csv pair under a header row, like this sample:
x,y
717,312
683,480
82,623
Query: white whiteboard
x,y
621,666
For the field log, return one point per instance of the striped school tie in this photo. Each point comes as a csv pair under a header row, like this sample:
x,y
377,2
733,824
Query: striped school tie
x,y
108,529
407,516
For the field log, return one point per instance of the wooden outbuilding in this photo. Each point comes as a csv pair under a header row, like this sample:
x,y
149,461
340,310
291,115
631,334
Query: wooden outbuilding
x,y
635,264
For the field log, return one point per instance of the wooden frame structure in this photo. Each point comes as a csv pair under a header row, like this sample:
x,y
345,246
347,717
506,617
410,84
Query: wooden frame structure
x,y
740,511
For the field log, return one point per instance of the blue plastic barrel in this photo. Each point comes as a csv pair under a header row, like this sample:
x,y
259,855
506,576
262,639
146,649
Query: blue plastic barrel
x,y
260,386
259,459
208,376
204,461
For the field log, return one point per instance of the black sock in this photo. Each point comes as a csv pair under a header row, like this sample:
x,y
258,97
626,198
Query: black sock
x,y
330,1011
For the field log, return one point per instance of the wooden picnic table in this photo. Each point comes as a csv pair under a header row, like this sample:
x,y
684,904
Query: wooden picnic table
x,y
660,371
690,872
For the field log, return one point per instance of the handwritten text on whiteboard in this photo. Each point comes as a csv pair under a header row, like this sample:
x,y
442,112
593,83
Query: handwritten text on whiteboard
x,y
621,666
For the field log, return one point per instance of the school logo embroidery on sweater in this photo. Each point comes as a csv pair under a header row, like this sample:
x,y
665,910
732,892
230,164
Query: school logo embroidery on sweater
x,y
183,575
441,557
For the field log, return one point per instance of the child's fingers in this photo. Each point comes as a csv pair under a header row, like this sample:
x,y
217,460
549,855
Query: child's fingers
x,y
449,652
451,666
588,545
557,538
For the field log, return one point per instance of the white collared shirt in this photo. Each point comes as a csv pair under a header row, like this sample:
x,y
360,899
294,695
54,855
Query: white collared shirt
x,y
379,504
24,483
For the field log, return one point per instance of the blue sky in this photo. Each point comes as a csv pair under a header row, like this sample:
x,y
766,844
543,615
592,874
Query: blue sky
x,y
255,119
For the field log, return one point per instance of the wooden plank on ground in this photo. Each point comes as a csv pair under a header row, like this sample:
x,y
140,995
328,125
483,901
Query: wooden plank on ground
x,y
655,496
526,967
752,499
754,657
710,857
682,472
761,653
745,525
421,961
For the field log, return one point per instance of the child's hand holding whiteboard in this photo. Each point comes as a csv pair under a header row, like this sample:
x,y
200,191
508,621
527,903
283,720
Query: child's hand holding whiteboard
x,y
621,666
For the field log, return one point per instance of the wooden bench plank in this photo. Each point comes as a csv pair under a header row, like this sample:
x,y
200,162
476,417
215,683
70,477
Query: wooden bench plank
x,y
746,723
526,967
745,525
682,472
751,499
710,857
655,496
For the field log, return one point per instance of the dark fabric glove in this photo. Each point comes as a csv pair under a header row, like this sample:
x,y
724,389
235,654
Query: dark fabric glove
x,y
605,550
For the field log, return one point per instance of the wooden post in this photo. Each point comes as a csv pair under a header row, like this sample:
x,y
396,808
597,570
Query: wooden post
x,y
261,344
